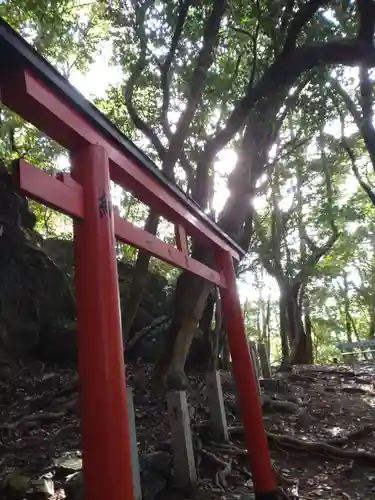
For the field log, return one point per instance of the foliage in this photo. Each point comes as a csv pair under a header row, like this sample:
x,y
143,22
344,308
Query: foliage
x,y
254,79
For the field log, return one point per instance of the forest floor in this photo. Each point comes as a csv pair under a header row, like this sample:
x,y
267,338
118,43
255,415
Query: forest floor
x,y
319,420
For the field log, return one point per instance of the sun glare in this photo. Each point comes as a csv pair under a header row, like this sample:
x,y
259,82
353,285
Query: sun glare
x,y
102,75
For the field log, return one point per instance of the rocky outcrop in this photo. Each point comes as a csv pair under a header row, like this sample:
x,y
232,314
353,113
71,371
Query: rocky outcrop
x,y
37,296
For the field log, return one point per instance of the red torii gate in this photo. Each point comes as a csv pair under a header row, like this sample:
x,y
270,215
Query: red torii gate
x,y
31,87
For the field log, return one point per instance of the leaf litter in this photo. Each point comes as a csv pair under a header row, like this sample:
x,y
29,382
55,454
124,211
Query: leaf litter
x,y
319,423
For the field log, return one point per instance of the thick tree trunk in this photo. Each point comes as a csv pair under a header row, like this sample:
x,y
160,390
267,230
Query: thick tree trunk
x,y
191,297
139,281
308,327
266,338
205,323
262,101
201,352
291,315
192,292
371,331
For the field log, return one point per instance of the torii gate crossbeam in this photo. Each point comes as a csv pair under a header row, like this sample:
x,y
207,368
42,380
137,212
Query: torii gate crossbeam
x,y
99,153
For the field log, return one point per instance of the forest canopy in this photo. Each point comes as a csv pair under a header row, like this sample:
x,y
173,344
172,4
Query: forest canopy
x,y
263,113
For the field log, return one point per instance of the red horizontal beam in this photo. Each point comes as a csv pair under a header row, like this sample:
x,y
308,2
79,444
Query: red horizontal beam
x,y
48,190
34,101
62,193
127,233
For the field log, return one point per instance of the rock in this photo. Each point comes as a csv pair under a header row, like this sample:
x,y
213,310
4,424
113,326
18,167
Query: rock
x,y
17,484
159,461
156,469
68,463
155,472
44,487
164,446
73,486
273,385
304,419
37,289
142,320
151,341
59,344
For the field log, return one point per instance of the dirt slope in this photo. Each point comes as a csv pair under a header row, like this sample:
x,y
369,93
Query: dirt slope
x,y
320,423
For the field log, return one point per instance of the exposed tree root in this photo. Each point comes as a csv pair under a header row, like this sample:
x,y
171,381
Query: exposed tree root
x,y
330,371
221,475
319,447
269,404
144,331
231,449
31,419
33,442
357,433
274,404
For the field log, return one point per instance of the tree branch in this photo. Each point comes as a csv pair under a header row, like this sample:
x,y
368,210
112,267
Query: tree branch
x,y
367,189
267,255
303,16
203,63
282,74
366,18
13,143
318,251
349,103
135,74
288,11
165,79
255,47
362,120
188,169
365,87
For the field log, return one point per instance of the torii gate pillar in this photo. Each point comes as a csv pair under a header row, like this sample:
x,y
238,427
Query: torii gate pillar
x,y
101,363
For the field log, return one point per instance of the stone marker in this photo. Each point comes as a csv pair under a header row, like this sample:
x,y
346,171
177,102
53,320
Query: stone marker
x,y
181,440
216,406
133,446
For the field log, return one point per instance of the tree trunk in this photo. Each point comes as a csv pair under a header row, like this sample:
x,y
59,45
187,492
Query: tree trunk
x,y
308,329
301,351
261,130
371,331
348,324
267,328
192,291
205,323
283,329
200,355
139,282
191,297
